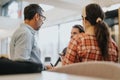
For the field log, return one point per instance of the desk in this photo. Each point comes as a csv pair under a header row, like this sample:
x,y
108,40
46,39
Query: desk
x,y
45,75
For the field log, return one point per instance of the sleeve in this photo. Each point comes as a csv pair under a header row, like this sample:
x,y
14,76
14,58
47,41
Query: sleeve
x,y
71,53
64,51
114,55
23,46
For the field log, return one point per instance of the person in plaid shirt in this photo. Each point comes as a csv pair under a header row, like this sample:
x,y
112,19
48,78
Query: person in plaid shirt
x,y
96,43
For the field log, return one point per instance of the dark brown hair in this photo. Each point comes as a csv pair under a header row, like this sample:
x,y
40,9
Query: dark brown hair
x,y
31,10
93,12
81,29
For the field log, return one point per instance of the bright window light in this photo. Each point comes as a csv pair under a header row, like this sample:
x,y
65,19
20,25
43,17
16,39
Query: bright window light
x,y
46,7
112,7
2,31
13,10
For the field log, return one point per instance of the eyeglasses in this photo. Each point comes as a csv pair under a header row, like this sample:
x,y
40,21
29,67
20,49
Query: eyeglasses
x,y
43,17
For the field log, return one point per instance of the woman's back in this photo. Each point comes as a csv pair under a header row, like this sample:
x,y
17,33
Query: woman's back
x,y
88,48
96,43
84,47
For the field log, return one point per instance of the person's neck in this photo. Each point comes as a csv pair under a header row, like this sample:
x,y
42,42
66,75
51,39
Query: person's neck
x,y
90,30
30,23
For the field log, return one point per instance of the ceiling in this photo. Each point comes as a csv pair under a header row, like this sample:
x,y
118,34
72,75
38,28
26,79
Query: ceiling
x,y
64,11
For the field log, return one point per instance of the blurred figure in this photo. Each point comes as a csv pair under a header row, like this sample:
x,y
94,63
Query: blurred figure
x,y
76,29
96,43
23,45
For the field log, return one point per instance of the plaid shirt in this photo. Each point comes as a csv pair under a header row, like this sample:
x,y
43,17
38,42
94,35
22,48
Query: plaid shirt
x,y
84,47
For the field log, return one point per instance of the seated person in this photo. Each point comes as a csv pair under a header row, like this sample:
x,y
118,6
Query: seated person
x,y
8,66
76,29
23,45
96,43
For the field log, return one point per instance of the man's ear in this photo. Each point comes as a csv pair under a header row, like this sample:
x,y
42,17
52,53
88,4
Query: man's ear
x,y
36,16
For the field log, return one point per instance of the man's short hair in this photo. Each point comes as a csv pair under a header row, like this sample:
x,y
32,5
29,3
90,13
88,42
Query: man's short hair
x,y
31,10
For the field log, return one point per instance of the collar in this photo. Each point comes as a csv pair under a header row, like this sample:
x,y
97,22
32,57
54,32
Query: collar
x,y
29,27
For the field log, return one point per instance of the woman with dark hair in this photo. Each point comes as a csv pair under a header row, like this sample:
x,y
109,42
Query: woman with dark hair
x,y
76,29
95,44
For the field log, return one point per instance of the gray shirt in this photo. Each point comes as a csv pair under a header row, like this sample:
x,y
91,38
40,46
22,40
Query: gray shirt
x,y
23,45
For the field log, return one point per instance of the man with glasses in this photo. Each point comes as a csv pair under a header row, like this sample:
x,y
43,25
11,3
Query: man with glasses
x,y
23,45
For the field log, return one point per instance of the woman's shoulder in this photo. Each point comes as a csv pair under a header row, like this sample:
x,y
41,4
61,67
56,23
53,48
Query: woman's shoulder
x,y
84,36
79,36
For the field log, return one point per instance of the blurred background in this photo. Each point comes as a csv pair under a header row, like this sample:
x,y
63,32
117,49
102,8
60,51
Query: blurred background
x,y
61,15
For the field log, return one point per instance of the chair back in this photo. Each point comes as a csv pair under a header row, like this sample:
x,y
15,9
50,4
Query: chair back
x,y
109,70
